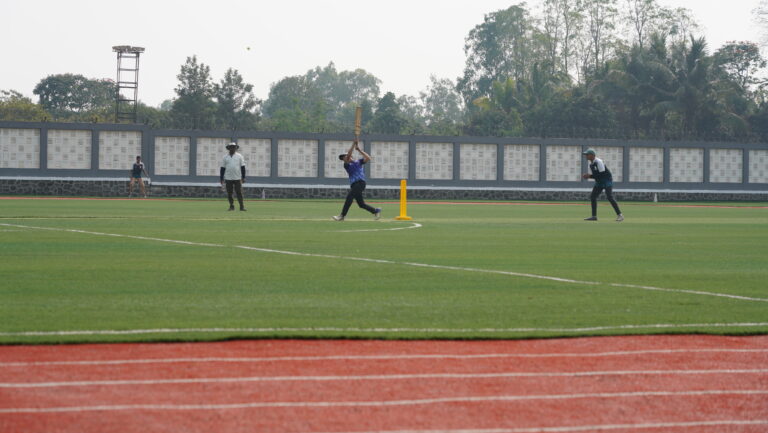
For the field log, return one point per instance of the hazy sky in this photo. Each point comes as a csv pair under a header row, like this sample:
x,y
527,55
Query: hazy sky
x,y
402,42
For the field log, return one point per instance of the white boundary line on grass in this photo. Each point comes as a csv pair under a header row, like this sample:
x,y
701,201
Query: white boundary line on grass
x,y
440,356
382,403
371,377
414,226
391,262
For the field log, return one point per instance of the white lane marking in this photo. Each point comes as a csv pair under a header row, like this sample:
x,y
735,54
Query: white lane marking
x,y
414,226
589,428
380,403
379,357
372,330
391,262
371,377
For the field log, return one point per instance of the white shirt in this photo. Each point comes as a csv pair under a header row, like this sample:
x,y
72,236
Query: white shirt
x,y
600,164
232,164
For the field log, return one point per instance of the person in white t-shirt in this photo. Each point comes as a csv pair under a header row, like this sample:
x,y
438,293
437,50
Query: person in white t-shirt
x,y
232,174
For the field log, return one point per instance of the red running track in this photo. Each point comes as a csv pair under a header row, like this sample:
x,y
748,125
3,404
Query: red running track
x,y
618,384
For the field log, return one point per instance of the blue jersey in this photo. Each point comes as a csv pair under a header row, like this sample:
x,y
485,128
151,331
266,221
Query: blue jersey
x,y
355,170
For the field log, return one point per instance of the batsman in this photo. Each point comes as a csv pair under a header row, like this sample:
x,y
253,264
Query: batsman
x,y
356,172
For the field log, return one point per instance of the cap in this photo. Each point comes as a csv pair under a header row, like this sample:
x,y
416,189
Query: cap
x,y
588,152
233,144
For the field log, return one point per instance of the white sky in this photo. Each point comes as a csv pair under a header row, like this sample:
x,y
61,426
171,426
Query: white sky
x,y
402,42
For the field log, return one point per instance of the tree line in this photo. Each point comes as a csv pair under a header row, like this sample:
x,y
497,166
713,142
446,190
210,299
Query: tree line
x,y
567,68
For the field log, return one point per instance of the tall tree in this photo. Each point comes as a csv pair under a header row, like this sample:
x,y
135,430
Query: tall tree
x,y
694,101
16,107
740,62
676,24
443,107
572,22
601,22
236,101
194,107
296,99
552,33
337,93
641,15
388,119
340,89
504,45
498,114
413,112
633,83
65,94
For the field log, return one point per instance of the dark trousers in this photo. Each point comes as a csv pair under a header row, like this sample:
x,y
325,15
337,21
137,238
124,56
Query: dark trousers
x,y
237,186
596,190
356,193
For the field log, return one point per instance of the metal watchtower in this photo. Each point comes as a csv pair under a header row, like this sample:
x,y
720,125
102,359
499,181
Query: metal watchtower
x,y
126,98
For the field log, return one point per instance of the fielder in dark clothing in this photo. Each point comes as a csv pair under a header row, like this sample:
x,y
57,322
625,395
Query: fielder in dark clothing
x,y
136,171
356,174
603,181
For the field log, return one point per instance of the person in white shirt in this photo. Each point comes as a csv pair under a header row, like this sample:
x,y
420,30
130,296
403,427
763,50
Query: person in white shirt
x,y
232,174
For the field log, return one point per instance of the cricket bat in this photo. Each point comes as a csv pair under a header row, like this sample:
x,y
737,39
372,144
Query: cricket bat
x,y
358,122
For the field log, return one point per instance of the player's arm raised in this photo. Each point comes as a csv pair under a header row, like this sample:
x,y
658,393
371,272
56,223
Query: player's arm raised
x,y
348,158
366,157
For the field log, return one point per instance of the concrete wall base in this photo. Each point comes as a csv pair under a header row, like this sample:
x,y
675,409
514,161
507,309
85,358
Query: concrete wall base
x,y
117,188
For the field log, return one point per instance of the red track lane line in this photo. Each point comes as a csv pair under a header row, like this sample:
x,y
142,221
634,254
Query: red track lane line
x,y
758,394
370,416
604,427
341,366
731,425
234,391
377,377
444,416
392,357
333,348
341,348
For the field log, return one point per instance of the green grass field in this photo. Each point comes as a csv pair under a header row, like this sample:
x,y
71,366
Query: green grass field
x,y
62,270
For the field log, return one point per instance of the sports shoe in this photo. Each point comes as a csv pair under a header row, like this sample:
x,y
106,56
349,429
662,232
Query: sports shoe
x,y
620,218
231,208
377,214
592,218
338,218
242,209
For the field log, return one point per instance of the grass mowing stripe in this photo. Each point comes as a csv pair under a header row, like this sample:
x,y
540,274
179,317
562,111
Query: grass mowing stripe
x,y
391,262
